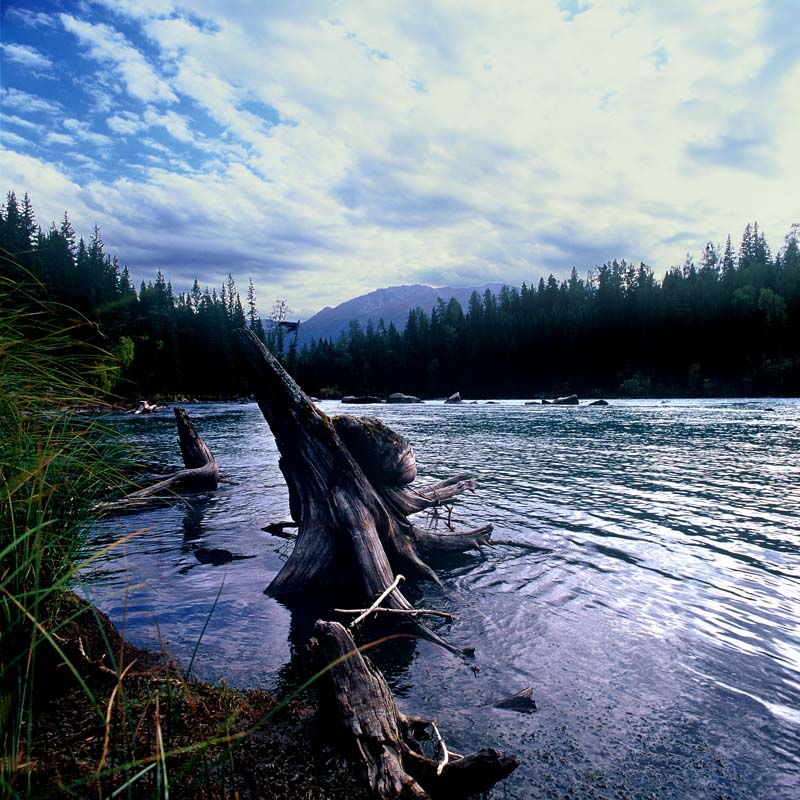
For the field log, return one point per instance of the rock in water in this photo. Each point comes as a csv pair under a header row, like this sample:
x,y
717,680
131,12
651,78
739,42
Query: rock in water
x,y
522,702
362,399
399,397
599,403
454,398
567,400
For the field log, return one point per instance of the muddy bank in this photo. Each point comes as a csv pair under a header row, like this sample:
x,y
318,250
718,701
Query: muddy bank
x,y
120,715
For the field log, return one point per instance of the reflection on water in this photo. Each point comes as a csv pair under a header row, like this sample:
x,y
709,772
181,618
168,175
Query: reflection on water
x,y
657,618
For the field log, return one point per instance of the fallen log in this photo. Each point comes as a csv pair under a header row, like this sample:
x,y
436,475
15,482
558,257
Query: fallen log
x,y
348,480
384,741
200,475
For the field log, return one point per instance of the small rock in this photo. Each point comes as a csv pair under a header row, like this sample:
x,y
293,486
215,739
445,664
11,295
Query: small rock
x,y
599,403
454,398
399,397
568,400
362,399
522,702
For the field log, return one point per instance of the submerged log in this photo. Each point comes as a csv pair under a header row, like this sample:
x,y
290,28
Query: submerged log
x,y
348,481
384,741
201,473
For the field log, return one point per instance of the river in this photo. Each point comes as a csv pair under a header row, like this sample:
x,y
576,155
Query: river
x,y
656,615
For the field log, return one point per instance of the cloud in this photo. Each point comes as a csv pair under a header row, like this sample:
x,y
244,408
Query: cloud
x,y
26,102
51,191
736,151
327,149
125,123
12,139
54,137
12,119
84,133
28,57
28,17
110,47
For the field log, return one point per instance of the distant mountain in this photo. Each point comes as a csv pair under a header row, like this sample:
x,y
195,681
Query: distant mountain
x,y
390,305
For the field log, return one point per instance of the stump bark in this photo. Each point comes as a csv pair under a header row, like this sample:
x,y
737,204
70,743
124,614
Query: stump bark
x,y
385,741
349,491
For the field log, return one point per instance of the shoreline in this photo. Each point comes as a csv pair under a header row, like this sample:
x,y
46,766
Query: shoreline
x,y
108,711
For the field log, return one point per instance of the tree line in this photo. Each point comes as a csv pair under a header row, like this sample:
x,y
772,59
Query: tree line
x,y
165,343
728,324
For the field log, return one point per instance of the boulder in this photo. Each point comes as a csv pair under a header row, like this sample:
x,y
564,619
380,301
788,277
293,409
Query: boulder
x,y
454,398
399,397
599,403
362,399
568,400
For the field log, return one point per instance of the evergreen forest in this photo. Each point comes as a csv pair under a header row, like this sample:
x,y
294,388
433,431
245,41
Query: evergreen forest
x,y
727,324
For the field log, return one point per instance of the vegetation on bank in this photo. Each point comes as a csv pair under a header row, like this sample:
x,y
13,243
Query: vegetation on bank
x,y
728,324
83,713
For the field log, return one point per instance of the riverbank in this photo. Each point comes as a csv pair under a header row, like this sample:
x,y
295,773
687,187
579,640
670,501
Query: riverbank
x,y
110,715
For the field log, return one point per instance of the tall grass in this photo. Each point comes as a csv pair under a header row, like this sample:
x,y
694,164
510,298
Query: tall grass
x,y
54,463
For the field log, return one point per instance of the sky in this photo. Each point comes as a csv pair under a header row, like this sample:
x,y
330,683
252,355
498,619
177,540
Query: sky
x,y
326,149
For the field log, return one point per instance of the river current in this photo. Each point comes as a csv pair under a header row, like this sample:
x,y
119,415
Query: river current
x,y
655,611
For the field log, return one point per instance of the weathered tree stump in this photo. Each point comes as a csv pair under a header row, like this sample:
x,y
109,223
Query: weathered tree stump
x,y
201,473
384,741
348,480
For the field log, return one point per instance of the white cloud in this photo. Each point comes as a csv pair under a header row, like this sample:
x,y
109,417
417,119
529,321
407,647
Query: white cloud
x,y
51,191
12,139
84,133
354,145
12,119
125,123
29,18
26,102
110,47
59,138
28,57
176,125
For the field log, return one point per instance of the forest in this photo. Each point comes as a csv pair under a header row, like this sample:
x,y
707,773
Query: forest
x,y
727,324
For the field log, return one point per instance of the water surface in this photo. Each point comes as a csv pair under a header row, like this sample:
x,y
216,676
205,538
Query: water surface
x,y
656,615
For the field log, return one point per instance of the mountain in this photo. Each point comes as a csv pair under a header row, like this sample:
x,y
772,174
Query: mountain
x,y
390,305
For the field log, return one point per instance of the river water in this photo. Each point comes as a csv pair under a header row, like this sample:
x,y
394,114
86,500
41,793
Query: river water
x,y
656,613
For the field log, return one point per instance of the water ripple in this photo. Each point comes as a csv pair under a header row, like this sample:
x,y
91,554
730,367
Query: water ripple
x,y
657,618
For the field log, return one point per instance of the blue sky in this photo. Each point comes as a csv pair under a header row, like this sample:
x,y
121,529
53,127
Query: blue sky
x,y
326,149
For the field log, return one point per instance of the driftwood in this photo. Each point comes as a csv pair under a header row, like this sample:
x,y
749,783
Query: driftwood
x,y
145,407
279,529
348,480
200,475
385,741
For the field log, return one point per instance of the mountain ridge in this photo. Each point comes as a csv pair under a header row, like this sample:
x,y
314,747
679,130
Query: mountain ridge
x,y
390,303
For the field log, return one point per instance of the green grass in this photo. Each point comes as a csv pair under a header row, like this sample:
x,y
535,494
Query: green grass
x,y
54,463
135,730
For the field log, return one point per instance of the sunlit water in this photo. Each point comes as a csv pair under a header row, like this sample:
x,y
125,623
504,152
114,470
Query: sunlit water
x,y
657,617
